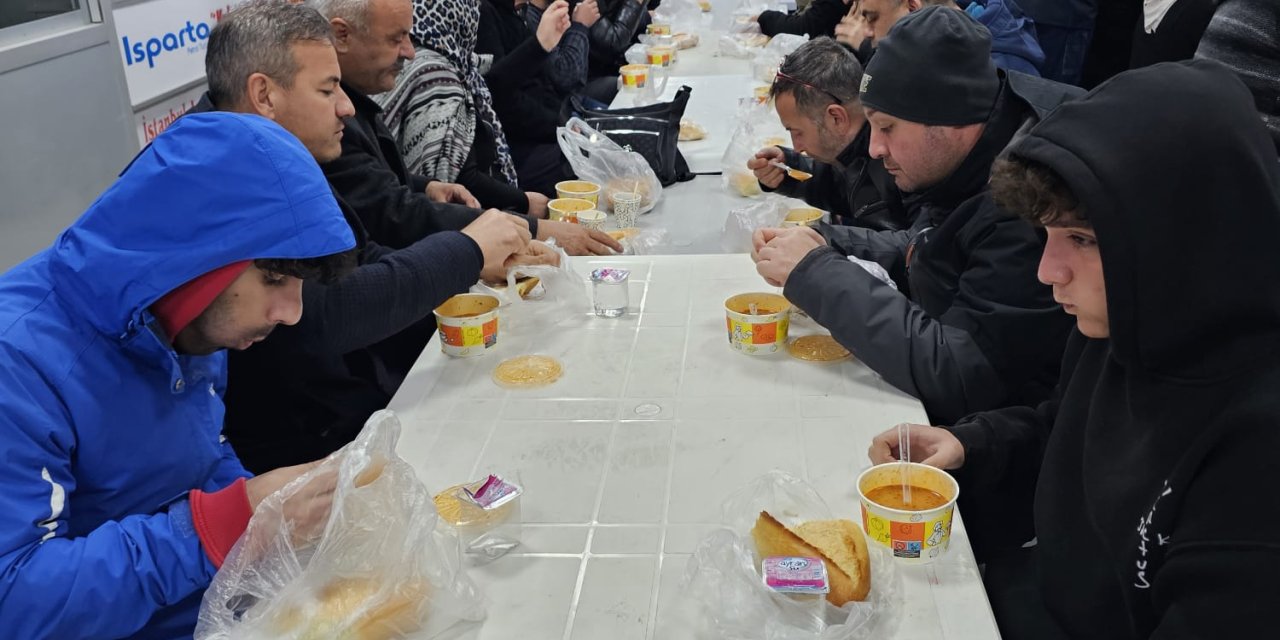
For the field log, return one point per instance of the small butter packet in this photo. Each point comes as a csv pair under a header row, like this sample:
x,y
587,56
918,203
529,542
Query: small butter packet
x,y
494,492
786,574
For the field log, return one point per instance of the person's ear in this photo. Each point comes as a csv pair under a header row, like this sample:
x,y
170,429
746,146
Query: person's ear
x,y
838,115
342,34
259,96
914,5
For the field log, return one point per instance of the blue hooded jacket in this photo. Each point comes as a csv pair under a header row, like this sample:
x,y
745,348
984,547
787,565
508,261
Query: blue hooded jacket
x,y
104,428
1014,46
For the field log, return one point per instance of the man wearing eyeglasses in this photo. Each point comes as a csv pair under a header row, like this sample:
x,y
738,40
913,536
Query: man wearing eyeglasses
x,y
828,126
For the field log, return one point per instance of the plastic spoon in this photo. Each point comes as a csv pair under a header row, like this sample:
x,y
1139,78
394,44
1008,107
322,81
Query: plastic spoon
x,y
794,174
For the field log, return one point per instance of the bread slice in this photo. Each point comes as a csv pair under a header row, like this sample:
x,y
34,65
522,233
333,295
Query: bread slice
x,y
849,576
844,543
524,285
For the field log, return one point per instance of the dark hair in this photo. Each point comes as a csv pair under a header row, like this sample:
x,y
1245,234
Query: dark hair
x,y
258,37
326,269
1035,192
819,72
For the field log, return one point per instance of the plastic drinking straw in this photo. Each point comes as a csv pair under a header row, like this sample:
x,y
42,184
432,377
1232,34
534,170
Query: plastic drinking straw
x,y
904,455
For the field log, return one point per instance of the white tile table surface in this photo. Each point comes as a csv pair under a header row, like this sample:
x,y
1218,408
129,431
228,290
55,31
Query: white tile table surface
x,y
626,460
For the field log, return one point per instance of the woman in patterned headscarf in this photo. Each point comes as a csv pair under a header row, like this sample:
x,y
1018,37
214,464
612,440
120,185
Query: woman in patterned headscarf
x,y
441,111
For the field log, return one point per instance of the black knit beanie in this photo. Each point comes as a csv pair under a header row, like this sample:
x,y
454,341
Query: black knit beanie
x,y
933,68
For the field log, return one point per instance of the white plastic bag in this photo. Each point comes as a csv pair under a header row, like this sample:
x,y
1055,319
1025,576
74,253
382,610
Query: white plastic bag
x,y
684,16
758,213
564,298
758,127
595,157
382,567
724,595
635,54
765,62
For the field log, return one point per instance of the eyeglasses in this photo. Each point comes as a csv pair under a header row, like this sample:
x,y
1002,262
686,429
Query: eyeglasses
x,y
782,76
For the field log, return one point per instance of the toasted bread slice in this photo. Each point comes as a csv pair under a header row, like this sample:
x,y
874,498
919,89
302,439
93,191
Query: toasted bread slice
x,y
772,538
524,285
843,542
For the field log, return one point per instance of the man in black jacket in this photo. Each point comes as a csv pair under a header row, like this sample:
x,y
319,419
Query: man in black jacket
x,y
1152,462
816,97
968,327
818,19
525,99
308,388
371,38
621,21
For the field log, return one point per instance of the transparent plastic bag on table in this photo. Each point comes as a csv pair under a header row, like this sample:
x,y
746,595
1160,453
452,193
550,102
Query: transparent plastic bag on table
x,y
595,157
646,242
724,595
758,213
382,567
765,62
758,127
635,54
684,16
563,300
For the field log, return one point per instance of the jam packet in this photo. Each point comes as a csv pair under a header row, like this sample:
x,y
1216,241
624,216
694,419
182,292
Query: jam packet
x,y
493,493
788,574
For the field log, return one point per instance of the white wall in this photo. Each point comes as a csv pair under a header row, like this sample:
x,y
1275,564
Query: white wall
x,y
65,133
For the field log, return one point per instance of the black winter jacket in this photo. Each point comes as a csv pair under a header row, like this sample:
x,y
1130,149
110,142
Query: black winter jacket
x,y
819,19
971,327
526,101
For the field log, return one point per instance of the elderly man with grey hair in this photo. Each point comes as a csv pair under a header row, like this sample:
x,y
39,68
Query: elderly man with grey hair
x,y
816,96
371,38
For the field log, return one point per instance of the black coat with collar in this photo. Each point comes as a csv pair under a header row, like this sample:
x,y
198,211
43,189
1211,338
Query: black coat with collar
x,y
372,178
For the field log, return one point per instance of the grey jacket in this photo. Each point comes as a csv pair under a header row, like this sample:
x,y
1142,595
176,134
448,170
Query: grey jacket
x,y
972,328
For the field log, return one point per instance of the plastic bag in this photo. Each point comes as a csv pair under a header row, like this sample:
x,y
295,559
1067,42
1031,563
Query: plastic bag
x,y
595,157
725,597
563,298
758,127
382,567
684,16
765,62
646,242
635,54
759,213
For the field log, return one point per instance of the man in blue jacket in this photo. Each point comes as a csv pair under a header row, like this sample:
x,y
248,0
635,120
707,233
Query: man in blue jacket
x,y
1014,46
120,498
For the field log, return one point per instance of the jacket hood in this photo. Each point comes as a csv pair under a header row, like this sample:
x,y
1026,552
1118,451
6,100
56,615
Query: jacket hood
x,y
215,188
1176,174
1012,32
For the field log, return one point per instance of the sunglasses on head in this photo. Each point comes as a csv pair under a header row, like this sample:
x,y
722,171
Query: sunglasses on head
x,y
782,76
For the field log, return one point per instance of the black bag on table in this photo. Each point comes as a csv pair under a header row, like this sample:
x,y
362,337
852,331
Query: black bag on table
x,y
652,131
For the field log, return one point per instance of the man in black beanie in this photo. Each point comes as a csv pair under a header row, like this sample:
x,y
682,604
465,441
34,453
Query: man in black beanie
x,y
961,321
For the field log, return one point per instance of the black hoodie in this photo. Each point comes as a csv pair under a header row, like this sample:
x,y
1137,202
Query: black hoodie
x,y
1156,508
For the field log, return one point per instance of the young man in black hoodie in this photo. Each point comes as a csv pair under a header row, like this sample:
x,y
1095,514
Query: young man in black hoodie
x,y
371,38
308,388
1155,506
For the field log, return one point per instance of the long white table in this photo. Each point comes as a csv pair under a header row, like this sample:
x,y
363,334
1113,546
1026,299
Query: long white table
x,y
626,459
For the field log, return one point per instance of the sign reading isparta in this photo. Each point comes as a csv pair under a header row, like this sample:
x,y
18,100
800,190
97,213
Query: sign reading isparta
x,y
162,43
